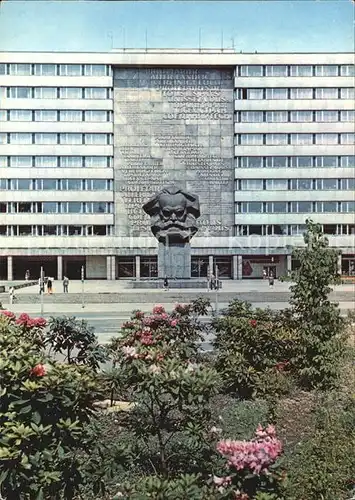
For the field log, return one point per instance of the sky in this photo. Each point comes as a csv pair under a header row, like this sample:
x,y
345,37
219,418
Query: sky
x,y
99,26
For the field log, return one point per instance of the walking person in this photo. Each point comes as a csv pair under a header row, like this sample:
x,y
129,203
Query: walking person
x,y
27,275
271,280
166,284
65,284
49,286
11,295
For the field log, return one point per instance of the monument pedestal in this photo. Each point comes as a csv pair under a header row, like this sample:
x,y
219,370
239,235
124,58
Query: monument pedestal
x,y
174,261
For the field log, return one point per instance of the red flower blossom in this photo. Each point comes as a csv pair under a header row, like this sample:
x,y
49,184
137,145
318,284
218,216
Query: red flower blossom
x,y
9,314
253,322
139,314
173,322
280,367
38,371
158,309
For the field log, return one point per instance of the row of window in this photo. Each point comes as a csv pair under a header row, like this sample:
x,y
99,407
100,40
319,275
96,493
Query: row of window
x,y
296,70
294,184
25,69
52,138
295,93
56,161
49,207
295,207
293,139
52,115
61,230
56,92
291,229
56,184
295,162
295,116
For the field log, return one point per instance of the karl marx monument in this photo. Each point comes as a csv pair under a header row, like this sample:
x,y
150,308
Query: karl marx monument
x,y
174,213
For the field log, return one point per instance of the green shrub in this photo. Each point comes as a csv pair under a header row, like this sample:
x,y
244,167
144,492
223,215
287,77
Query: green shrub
x,y
44,412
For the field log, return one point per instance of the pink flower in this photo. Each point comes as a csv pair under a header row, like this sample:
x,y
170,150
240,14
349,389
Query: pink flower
x,y
139,314
253,322
173,322
23,319
222,481
158,309
9,314
164,316
38,371
129,352
147,339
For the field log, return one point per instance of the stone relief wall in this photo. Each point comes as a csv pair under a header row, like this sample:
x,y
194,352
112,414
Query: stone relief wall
x,y
173,125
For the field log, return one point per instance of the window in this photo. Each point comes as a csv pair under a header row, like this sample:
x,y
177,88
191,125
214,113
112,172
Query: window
x,y
329,228
100,207
302,139
301,184
46,115
20,115
327,70
3,138
3,161
3,184
251,162
49,207
277,70
98,184
347,138
75,230
326,161
3,208
97,139
297,229
348,161
3,115
21,161
71,161
46,138
251,116
46,161
71,93
24,207
252,207
345,70
2,69
251,71
348,206
25,230
276,184
21,184
250,139
305,70
72,184
255,94
20,92
96,161
326,206
96,116
20,69
70,70
327,138
348,184
327,184
49,230
347,116
327,116
3,230
276,139
279,93
45,93
74,207
255,230
347,93
276,207
276,116
301,162
301,207
48,184
251,185
20,138
45,69
71,138
276,162
301,116
71,116
95,70
326,93
96,93
301,93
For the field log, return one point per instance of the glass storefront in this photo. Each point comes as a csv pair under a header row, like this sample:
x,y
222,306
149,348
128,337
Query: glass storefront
x,y
199,266
126,267
149,267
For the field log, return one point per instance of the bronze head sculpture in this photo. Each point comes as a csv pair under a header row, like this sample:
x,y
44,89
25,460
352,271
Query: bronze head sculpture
x,y
173,213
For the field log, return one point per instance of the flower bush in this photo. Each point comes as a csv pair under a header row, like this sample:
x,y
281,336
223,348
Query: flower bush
x,y
44,412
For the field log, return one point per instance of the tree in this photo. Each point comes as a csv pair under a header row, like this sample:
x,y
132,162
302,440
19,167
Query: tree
x,y
316,321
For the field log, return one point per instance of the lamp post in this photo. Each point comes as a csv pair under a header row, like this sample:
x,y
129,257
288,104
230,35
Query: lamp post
x,y
216,288
82,286
41,287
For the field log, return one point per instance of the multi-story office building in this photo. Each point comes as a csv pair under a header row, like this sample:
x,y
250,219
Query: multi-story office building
x,y
265,140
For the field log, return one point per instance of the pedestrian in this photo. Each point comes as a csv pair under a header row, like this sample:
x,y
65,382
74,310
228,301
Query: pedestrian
x,y
166,284
49,286
11,295
264,274
212,283
27,275
65,284
271,279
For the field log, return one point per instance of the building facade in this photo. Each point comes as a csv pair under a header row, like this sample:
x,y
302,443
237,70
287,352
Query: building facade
x,y
265,140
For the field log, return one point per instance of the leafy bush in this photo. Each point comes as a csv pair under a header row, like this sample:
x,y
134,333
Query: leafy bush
x,y
253,349
45,408
316,321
